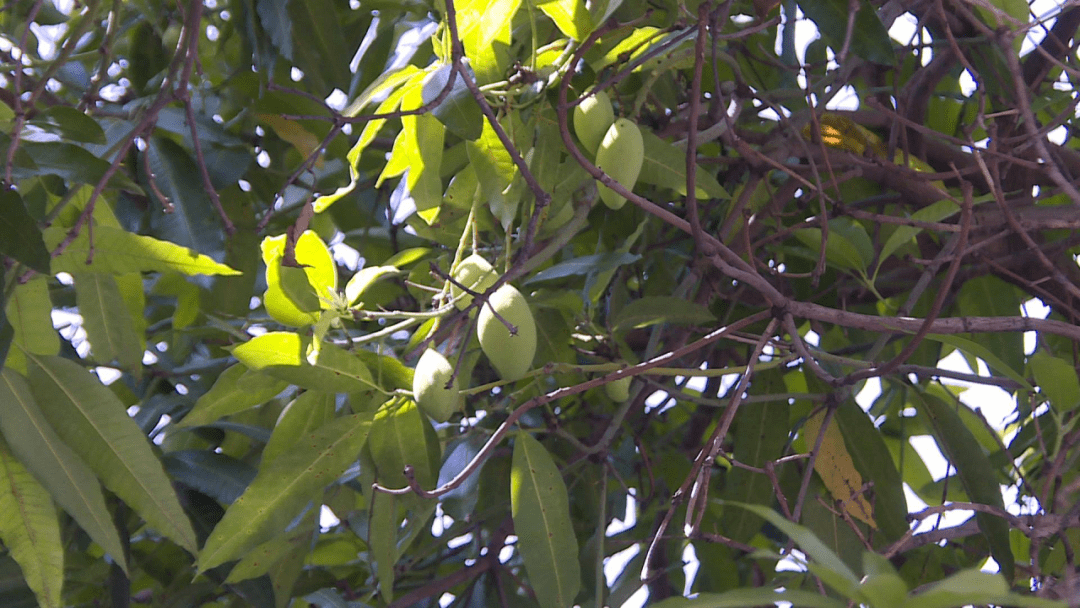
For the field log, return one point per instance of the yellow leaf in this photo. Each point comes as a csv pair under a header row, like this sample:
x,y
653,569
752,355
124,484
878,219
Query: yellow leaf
x,y
303,140
836,469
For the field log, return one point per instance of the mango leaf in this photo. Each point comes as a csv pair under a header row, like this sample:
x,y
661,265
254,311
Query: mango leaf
x,y
117,251
974,469
107,320
388,81
74,164
570,16
758,439
837,470
969,587
20,237
27,313
236,389
865,446
904,234
584,265
458,110
665,166
995,363
220,477
869,39
30,531
318,34
365,278
304,414
1057,380
830,568
194,222
69,123
839,251
383,527
294,295
284,355
398,439
541,512
280,490
484,27
758,596
652,310
94,423
67,478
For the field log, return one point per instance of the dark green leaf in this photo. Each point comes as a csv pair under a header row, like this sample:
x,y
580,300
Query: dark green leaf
x,y
20,237
652,310
869,39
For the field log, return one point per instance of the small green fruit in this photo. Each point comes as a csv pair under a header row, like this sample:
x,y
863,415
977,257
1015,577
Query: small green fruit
x,y
475,273
432,373
592,118
620,155
619,390
511,355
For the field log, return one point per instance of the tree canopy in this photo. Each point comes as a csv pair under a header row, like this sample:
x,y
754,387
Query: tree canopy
x,y
534,302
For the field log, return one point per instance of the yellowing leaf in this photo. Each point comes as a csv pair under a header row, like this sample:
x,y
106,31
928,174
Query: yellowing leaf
x,y
293,296
836,469
300,138
284,355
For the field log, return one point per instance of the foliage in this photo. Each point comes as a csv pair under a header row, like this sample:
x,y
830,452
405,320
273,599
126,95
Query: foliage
x,y
247,217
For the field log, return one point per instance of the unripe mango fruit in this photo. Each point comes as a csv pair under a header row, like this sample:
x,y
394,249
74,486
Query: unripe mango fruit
x,y
510,355
620,155
592,119
475,273
432,373
619,390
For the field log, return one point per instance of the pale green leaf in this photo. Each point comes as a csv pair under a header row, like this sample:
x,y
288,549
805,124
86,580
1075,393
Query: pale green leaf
x,y
117,251
665,166
303,415
284,355
107,320
904,234
383,527
283,488
571,17
236,389
67,478
30,531
758,596
1057,380
365,278
398,439
652,310
28,313
94,423
541,512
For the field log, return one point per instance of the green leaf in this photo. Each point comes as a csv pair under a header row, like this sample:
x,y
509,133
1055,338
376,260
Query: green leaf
x,y
484,29
974,469
69,123
317,32
665,166
839,250
304,414
1057,380
383,527
541,512
27,311
117,251
20,237
969,347
94,423
570,16
758,439
830,567
869,39
74,164
584,265
866,446
969,587
758,596
107,320
280,490
194,222
235,390
30,531
220,477
365,278
904,234
398,439
458,111
652,310
284,355
67,478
